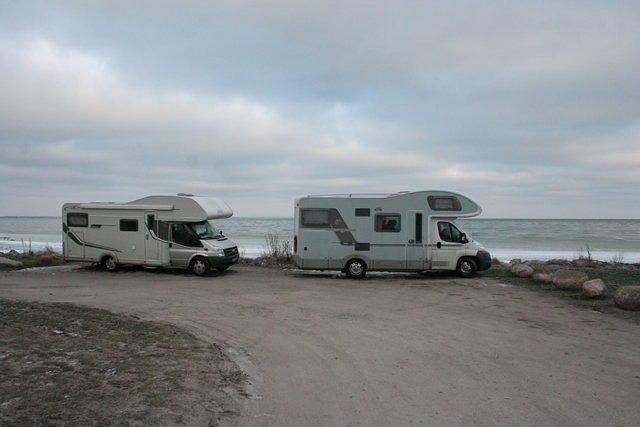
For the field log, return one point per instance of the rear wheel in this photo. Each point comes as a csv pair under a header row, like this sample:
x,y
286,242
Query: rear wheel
x,y
109,263
356,269
467,267
200,266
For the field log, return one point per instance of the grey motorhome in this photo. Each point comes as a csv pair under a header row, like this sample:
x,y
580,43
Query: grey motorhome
x,y
161,231
406,231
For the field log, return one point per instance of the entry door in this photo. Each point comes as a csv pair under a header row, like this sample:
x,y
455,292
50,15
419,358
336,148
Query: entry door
x,y
151,244
416,240
314,246
75,250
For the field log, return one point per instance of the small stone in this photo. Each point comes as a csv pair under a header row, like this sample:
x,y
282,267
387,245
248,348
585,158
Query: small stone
x,y
628,297
594,288
569,279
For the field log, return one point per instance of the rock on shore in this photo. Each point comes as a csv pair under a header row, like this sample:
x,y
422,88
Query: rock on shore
x,y
10,262
594,288
521,270
569,279
628,297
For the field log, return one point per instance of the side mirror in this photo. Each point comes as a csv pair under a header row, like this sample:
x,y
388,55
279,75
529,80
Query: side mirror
x,y
464,238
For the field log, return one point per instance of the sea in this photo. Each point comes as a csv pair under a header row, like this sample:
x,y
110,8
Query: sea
x,y
505,239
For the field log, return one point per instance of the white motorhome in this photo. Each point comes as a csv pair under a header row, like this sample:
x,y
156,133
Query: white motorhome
x,y
161,231
406,231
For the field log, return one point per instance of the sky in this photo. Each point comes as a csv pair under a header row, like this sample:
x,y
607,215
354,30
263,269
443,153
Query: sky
x,y
531,108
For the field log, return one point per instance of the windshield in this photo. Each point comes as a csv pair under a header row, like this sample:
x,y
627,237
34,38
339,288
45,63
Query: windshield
x,y
205,230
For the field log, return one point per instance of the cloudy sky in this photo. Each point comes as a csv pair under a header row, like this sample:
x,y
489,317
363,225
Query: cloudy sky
x,y
532,108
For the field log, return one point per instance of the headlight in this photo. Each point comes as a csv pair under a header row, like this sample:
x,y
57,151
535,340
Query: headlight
x,y
217,252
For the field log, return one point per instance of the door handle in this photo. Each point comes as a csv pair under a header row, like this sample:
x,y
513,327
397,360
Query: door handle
x,y
170,245
438,245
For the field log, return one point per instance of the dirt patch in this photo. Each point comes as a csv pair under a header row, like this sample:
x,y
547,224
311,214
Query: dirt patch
x,y
64,363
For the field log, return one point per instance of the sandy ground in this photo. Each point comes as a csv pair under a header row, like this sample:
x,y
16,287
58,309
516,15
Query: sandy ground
x,y
393,350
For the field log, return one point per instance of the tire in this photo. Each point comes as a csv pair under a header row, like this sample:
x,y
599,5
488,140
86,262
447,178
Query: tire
x,y
200,266
356,269
467,267
109,263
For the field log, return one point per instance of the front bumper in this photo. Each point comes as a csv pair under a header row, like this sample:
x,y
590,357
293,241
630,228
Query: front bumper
x,y
484,260
222,261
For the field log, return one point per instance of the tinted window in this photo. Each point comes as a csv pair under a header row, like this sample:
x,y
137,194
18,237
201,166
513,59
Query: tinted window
x,y
163,230
418,228
363,212
315,217
449,232
389,223
77,219
443,203
128,225
183,235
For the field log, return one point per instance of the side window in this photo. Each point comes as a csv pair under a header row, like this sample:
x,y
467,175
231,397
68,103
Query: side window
x,y
363,212
449,232
418,228
77,219
456,234
182,235
163,230
315,217
128,225
388,223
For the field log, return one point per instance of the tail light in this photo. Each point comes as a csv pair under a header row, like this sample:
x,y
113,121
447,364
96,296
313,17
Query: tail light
x,y
295,244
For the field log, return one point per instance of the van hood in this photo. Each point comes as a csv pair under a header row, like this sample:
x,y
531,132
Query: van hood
x,y
224,244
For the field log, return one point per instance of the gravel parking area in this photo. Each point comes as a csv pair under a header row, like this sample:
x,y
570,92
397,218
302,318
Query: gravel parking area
x,y
389,350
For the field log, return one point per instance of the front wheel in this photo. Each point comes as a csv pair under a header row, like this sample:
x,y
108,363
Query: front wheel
x,y
109,263
200,266
467,267
356,269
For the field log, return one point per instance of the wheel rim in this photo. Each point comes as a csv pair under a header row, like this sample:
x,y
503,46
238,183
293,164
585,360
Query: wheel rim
x,y
199,267
355,268
110,263
465,267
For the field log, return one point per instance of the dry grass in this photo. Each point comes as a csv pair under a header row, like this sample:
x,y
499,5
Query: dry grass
x,y
66,364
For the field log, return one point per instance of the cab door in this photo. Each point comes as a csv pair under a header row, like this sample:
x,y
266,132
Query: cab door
x,y
415,237
448,244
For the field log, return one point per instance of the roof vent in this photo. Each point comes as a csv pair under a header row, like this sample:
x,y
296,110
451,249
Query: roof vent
x,y
185,194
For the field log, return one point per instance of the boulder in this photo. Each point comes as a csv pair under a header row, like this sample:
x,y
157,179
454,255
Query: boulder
x,y
541,277
10,262
521,270
627,297
594,288
569,279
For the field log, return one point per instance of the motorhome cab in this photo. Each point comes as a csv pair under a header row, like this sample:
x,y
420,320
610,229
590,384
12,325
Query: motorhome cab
x,y
162,231
407,231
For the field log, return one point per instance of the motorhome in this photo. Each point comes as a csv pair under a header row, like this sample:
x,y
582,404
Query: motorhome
x,y
159,231
405,231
